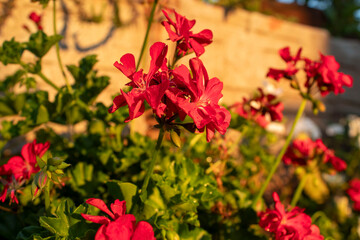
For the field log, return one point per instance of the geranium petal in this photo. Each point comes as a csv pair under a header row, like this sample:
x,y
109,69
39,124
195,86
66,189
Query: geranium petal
x,y
118,208
100,204
96,219
126,65
143,231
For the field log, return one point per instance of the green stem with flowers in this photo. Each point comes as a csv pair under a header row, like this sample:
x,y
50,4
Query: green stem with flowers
x,y
281,154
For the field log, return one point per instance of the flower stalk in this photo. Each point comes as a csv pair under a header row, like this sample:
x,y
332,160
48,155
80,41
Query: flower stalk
x,y
58,50
47,199
299,190
152,164
48,81
282,152
151,18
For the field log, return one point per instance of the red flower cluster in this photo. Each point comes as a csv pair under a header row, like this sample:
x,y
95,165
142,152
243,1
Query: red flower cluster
x,y
175,92
354,193
288,225
20,168
304,150
324,73
36,19
187,41
262,109
121,226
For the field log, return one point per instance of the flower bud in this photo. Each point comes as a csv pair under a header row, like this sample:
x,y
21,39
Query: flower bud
x,y
171,235
175,137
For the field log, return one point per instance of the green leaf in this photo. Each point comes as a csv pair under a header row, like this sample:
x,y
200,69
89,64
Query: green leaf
x,y
68,223
19,101
11,52
42,115
80,73
39,43
43,2
123,191
33,232
5,109
12,80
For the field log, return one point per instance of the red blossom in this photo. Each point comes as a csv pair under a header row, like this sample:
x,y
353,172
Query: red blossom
x,y
262,108
36,19
302,151
23,166
20,168
288,225
181,33
354,193
199,98
329,79
150,87
322,73
120,226
290,65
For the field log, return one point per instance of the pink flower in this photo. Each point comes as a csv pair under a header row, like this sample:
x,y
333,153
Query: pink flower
x,y
120,226
290,65
262,109
150,87
187,41
198,96
288,225
302,151
354,193
36,19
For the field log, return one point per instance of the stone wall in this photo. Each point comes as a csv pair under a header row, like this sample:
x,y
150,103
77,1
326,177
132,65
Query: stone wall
x,y
245,44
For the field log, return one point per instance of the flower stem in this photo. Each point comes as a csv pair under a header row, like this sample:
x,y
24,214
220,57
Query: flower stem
x,y
151,18
58,50
299,190
282,152
47,199
152,164
48,81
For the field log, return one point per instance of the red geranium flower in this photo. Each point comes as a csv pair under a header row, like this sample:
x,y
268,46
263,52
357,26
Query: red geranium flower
x,y
36,19
150,87
302,151
262,108
354,193
182,34
322,73
199,98
329,79
20,168
290,65
120,226
288,225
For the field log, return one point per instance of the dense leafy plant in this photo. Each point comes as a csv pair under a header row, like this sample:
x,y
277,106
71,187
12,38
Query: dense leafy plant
x,y
111,183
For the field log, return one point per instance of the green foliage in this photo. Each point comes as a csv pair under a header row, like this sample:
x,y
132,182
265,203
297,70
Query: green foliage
x,y
44,3
11,52
39,43
68,222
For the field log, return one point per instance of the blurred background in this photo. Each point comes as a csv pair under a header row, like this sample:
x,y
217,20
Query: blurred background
x,y
247,37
